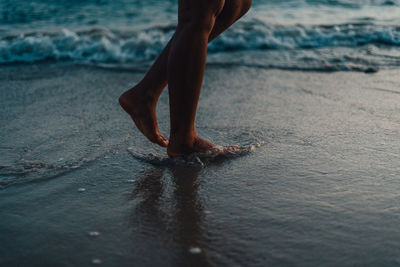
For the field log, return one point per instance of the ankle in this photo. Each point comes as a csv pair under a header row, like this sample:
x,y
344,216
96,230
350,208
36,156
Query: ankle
x,y
178,146
140,93
186,138
149,90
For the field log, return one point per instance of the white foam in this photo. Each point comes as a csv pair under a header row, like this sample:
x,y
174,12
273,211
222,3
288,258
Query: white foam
x,y
99,45
93,233
200,160
195,250
96,261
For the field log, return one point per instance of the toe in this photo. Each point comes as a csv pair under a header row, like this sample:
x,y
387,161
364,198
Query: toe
x,y
159,140
162,141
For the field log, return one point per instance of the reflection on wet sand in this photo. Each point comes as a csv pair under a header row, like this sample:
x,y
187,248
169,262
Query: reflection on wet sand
x,y
178,214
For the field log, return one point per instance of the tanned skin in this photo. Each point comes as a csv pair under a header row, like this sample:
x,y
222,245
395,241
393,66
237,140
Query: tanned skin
x,y
181,65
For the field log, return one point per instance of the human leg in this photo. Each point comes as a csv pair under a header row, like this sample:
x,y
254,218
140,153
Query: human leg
x,y
185,71
140,101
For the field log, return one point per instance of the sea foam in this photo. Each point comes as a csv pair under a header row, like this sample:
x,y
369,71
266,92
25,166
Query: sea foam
x,y
101,45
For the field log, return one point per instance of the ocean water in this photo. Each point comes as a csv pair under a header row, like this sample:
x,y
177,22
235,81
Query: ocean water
x,y
359,35
80,185
314,183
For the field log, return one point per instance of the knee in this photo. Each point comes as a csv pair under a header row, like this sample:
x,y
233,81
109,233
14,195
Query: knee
x,y
203,24
201,16
200,24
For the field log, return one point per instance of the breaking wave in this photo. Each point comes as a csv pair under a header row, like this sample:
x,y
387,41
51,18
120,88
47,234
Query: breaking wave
x,y
101,45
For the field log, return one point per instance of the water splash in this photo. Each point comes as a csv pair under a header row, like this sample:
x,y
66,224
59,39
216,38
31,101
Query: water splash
x,y
215,155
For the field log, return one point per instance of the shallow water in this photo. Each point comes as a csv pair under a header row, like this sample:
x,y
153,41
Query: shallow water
x,y
349,35
321,190
315,178
218,154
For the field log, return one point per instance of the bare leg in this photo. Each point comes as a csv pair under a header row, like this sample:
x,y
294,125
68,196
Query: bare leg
x,y
186,64
140,101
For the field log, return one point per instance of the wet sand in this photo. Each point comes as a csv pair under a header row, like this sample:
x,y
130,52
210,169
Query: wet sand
x,y
322,189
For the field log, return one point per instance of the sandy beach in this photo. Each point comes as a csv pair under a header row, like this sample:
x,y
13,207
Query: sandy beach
x,y
321,189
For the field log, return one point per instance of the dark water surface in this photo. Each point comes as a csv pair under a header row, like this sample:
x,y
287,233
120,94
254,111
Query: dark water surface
x,y
322,189
350,35
317,183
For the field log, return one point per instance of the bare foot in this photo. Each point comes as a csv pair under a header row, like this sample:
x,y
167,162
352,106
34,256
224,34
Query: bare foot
x,y
142,109
198,145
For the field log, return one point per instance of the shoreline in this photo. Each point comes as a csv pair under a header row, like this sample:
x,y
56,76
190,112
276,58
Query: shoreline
x,y
321,190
